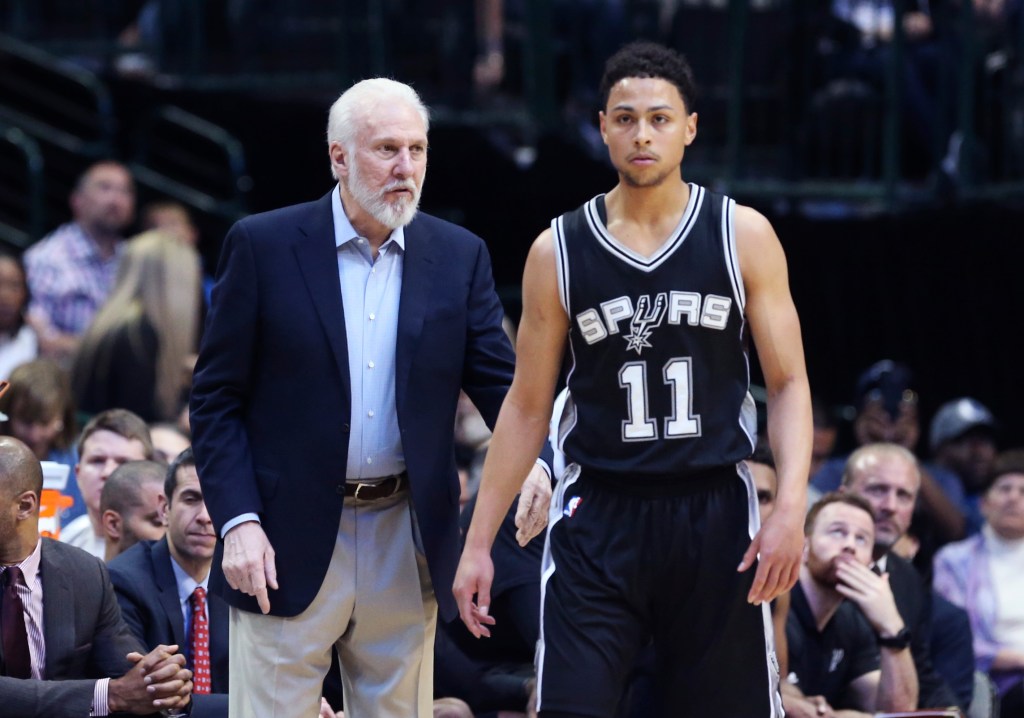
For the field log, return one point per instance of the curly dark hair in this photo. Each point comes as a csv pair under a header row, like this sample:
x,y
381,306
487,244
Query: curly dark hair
x,y
649,59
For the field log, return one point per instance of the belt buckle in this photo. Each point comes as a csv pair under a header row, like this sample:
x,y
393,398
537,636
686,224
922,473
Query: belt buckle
x,y
358,487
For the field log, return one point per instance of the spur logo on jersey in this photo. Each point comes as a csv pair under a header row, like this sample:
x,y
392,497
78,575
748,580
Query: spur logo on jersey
x,y
646,316
570,508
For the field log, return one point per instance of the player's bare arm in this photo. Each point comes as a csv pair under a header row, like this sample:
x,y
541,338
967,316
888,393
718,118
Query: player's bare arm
x,y
776,332
520,430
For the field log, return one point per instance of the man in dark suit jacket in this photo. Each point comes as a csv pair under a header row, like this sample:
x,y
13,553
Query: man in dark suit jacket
x,y
339,335
888,477
154,579
78,626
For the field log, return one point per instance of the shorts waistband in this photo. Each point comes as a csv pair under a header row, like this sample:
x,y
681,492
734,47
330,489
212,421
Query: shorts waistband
x,y
661,485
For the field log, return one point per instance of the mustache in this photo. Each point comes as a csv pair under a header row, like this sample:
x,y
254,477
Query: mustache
x,y
401,184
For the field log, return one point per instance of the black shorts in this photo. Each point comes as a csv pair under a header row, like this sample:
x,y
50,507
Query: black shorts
x,y
622,571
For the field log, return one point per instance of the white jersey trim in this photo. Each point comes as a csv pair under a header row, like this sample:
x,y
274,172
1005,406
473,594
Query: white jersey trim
x,y
547,566
561,262
771,658
732,260
634,259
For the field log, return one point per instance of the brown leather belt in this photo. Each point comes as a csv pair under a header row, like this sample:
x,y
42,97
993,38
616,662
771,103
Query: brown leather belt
x,y
377,489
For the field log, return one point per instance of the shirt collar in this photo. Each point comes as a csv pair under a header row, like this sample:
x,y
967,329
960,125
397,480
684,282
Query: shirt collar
x,y
186,584
344,232
84,247
30,566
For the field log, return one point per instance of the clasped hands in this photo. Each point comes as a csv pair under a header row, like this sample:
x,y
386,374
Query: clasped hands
x,y
158,681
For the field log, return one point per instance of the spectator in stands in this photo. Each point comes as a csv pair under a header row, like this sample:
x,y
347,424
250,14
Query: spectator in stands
x,y
950,632
132,506
138,352
79,661
110,439
962,438
41,413
17,339
168,441
859,46
826,430
174,218
841,656
888,478
71,271
886,405
984,574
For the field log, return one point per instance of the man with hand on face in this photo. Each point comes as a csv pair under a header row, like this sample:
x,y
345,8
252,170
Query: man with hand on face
x,y
848,646
323,410
62,638
888,477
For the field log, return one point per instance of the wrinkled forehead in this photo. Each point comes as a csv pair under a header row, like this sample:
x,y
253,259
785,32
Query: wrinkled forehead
x,y
847,515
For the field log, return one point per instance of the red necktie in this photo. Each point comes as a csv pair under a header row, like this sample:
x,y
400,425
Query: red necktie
x,y
200,642
17,660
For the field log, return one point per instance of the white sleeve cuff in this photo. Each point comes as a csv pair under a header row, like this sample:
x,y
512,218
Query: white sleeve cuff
x,y
99,698
238,520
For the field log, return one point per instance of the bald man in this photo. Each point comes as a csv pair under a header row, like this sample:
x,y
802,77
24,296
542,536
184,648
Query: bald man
x,y
57,656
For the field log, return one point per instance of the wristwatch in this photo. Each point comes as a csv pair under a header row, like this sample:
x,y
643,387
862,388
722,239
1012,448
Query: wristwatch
x,y
900,641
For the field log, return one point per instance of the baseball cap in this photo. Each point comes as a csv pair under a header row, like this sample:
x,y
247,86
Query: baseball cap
x,y
889,381
955,418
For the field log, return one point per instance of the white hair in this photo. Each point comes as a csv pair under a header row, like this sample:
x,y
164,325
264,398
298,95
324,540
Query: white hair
x,y
343,121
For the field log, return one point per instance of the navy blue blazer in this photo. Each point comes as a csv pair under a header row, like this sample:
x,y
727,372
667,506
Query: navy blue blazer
x,y
271,407
147,592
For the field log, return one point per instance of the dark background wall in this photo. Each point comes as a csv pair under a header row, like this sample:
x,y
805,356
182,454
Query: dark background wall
x,y
936,288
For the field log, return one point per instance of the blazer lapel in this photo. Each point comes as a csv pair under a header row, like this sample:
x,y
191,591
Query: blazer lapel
x,y
418,277
167,590
317,256
58,610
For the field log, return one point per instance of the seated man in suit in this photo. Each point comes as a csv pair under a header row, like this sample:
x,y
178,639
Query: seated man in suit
x,y
162,588
855,660
65,651
132,506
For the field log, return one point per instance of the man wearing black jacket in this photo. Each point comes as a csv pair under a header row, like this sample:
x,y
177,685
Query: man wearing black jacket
x,y
887,476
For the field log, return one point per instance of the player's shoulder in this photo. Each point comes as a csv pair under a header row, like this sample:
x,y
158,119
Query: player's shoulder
x,y
749,222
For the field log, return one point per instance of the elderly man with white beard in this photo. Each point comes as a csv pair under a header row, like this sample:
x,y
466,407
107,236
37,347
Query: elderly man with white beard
x,y
339,335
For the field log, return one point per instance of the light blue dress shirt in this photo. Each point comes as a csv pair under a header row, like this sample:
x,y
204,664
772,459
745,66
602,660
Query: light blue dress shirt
x,y
370,292
186,587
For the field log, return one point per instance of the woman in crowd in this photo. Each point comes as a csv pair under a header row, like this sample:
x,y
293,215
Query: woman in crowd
x,y
17,340
136,354
985,575
41,413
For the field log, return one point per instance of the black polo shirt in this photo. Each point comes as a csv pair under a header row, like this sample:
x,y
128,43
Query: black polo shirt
x,y
826,663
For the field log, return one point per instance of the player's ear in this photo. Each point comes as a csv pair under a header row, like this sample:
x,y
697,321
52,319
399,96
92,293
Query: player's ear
x,y
603,124
691,128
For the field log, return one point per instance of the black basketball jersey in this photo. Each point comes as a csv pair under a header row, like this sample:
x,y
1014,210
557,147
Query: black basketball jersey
x,y
659,371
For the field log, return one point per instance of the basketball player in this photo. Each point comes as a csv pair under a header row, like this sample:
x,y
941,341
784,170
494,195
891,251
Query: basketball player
x,y
653,529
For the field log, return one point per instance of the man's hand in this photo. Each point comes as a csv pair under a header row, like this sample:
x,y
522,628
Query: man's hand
x,y
249,562
872,594
474,577
534,500
777,547
157,681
